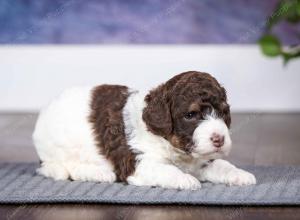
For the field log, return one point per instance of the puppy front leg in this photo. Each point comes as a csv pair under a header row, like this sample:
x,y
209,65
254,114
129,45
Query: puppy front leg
x,y
154,173
221,171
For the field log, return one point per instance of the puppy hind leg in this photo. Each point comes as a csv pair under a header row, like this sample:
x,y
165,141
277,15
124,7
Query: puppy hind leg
x,y
54,170
91,172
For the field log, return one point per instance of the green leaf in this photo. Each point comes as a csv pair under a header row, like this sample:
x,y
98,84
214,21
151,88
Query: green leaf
x,y
270,45
293,15
289,56
288,10
277,15
298,8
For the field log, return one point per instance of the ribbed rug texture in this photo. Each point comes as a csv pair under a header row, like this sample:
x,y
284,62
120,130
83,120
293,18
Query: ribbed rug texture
x,y
20,184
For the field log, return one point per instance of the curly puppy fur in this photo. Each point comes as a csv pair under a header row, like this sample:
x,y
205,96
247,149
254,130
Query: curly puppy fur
x,y
173,137
188,92
107,120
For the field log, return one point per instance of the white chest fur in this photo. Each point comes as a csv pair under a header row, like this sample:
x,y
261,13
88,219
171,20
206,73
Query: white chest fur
x,y
148,145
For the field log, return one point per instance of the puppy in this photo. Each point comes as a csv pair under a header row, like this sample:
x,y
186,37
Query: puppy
x,y
172,137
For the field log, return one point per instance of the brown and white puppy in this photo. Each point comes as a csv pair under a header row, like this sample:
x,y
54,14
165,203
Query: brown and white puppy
x,y
172,137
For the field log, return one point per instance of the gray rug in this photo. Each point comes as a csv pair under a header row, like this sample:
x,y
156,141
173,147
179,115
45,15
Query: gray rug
x,y
20,184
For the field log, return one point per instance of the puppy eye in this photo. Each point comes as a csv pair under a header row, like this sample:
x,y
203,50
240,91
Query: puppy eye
x,y
190,115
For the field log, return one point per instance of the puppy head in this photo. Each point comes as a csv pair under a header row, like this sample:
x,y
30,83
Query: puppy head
x,y
191,112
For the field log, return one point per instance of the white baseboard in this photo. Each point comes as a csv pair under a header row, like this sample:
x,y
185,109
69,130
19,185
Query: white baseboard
x,y
31,75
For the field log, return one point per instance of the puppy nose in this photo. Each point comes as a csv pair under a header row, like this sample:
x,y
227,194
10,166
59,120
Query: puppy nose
x,y
217,140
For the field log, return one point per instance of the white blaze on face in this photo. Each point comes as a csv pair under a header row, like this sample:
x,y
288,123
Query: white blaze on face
x,y
204,132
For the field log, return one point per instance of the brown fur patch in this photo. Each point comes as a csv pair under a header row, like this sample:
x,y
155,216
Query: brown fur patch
x,y
107,120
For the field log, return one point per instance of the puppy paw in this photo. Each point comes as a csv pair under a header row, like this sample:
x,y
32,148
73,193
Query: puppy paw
x,y
179,181
187,182
239,177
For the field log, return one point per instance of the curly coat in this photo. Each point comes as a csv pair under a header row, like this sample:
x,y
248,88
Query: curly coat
x,y
189,93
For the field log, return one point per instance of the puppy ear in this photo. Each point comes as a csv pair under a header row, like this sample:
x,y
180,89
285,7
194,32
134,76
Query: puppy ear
x,y
157,115
225,108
